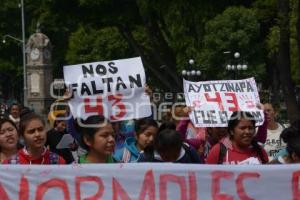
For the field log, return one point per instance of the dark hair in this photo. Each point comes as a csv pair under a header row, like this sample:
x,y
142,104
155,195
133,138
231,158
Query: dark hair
x,y
275,106
291,136
4,120
14,104
233,122
26,118
87,128
167,125
235,118
25,111
167,140
142,124
58,118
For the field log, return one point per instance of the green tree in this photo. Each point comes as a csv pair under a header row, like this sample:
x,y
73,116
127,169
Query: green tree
x,y
235,30
284,63
89,45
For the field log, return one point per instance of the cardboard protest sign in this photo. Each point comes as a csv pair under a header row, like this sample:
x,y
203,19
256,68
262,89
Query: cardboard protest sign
x,y
214,101
115,89
149,181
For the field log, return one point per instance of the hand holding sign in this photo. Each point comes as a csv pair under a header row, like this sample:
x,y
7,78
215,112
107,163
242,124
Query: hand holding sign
x,y
214,101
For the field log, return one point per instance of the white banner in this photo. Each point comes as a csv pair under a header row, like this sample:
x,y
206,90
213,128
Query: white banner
x,y
214,101
115,89
149,181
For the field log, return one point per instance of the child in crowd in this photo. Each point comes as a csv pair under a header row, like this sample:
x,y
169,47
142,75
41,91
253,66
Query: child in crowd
x,y
145,129
8,139
240,147
98,138
168,146
32,129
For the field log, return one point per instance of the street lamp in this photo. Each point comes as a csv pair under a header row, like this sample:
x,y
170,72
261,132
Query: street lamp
x,y
9,36
21,5
191,72
235,67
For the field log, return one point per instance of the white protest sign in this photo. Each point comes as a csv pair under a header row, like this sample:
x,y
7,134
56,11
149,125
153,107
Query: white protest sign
x,y
214,101
115,89
65,142
149,181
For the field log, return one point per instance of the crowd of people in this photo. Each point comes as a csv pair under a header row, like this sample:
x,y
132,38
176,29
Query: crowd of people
x,y
25,140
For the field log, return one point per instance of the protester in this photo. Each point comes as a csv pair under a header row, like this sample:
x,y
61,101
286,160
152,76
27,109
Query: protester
x,y
3,110
273,142
240,147
204,138
32,129
190,134
14,113
167,125
291,136
145,130
8,139
168,146
98,139
54,137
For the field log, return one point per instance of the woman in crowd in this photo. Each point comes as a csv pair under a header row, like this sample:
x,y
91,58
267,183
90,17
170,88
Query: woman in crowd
x,y
240,147
54,137
145,129
98,138
168,146
203,139
8,139
32,129
291,136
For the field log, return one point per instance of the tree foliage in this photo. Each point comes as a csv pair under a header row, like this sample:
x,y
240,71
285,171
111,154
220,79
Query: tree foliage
x,y
234,30
166,34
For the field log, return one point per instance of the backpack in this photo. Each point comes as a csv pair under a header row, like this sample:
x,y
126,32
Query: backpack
x,y
222,153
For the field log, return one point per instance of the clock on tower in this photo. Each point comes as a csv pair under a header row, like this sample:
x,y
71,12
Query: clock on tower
x,y
39,73
35,54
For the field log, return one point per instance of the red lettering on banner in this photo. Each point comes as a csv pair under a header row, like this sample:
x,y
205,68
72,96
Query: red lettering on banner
x,y
118,191
24,189
98,108
192,186
216,99
215,190
59,183
295,185
233,101
165,178
239,184
97,180
148,188
118,103
3,194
